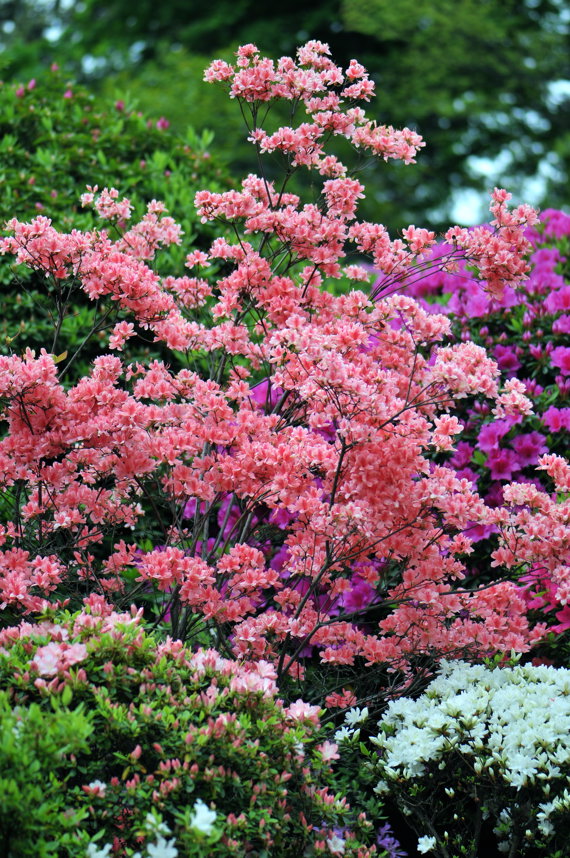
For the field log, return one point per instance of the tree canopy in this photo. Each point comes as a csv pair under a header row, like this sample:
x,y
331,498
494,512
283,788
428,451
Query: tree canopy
x,y
479,79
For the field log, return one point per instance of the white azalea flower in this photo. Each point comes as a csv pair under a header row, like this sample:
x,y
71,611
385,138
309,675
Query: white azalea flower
x,y
203,819
336,844
155,826
355,716
162,848
426,844
94,851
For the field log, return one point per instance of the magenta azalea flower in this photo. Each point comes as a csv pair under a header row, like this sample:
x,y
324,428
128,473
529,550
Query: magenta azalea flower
x,y
503,464
529,447
560,357
491,434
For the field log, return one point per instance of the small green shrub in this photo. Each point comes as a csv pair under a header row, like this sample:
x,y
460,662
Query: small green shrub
x,y
36,748
185,744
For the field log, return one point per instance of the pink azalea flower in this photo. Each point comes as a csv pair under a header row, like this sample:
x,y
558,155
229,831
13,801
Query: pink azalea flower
x,y
55,657
560,357
301,711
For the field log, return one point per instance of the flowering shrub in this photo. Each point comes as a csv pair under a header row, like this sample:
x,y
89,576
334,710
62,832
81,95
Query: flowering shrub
x,y
278,492
526,333
481,747
56,137
187,750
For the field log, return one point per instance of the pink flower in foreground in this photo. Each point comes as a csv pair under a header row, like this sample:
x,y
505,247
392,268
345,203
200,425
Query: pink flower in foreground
x,y
301,711
560,357
55,657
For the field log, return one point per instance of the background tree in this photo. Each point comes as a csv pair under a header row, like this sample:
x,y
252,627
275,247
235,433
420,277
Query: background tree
x,y
479,79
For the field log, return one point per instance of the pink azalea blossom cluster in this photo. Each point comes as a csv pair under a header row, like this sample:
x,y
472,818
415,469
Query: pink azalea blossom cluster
x,y
316,424
525,331
323,88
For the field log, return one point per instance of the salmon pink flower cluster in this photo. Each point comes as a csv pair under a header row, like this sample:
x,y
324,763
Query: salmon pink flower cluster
x,y
525,331
283,472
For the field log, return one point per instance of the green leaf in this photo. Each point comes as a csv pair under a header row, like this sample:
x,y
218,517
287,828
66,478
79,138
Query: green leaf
x,y
479,457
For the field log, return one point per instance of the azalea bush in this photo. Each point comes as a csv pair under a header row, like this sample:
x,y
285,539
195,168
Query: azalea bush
x,y
55,138
154,746
278,493
481,748
526,332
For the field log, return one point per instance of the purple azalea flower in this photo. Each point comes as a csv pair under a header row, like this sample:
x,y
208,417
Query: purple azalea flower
x,y
477,305
477,532
503,464
491,433
559,300
532,387
387,841
506,358
279,560
359,596
494,496
557,223
529,447
556,419
561,325
462,455
265,394
190,508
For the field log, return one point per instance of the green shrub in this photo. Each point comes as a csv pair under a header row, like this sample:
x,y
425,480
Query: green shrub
x,y
36,744
184,744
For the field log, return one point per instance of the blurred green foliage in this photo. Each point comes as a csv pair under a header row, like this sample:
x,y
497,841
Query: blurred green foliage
x,y
36,759
479,79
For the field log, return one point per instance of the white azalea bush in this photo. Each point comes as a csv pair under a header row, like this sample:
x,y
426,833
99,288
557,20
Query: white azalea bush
x,y
483,748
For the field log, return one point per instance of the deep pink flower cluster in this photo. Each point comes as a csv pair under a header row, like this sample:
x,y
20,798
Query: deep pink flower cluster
x,y
304,460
